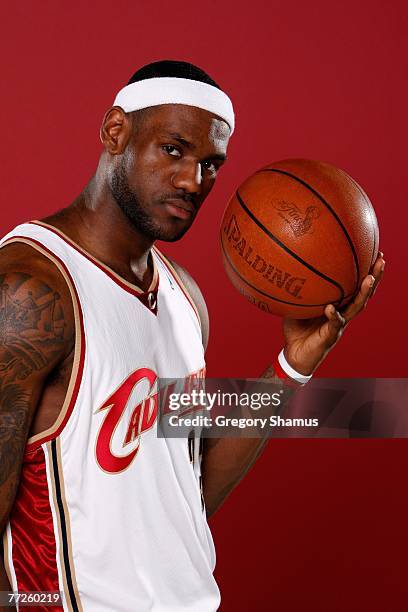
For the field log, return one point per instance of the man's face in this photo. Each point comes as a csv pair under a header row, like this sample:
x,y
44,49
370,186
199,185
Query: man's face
x,y
168,168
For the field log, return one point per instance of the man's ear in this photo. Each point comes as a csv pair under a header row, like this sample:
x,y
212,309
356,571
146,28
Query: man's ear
x,y
115,130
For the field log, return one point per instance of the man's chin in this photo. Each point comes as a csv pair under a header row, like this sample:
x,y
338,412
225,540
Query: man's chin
x,y
155,230
173,231
172,236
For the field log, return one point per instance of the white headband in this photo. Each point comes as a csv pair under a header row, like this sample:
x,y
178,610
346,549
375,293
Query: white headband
x,y
174,90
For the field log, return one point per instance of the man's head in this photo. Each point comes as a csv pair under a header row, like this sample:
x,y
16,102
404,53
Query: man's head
x,y
163,158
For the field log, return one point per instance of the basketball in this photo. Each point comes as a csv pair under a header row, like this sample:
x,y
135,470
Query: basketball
x,y
298,235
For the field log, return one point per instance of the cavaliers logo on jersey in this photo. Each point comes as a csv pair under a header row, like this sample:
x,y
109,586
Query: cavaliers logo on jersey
x,y
117,424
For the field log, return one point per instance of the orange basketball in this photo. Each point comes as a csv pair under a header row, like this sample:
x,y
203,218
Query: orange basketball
x,y
297,235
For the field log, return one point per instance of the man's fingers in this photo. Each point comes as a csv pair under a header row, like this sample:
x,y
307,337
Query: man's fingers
x,y
367,289
334,316
332,329
378,271
361,298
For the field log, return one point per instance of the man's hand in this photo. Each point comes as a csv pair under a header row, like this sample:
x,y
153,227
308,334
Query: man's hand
x,y
227,460
309,340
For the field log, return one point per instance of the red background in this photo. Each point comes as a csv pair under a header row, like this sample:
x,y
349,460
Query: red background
x,y
317,525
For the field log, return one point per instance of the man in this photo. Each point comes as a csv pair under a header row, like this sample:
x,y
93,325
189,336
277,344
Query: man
x,y
93,503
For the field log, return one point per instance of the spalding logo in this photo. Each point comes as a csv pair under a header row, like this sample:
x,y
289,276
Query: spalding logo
x,y
143,418
280,278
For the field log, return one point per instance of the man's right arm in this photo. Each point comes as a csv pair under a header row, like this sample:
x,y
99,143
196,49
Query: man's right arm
x,y
36,335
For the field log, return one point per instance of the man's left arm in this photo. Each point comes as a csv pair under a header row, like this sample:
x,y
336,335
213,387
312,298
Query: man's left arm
x,y
308,341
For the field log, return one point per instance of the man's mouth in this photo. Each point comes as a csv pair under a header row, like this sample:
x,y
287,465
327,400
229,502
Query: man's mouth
x,y
179,208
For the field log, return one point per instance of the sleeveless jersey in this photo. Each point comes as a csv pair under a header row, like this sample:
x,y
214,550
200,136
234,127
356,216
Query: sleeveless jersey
x,y
107,512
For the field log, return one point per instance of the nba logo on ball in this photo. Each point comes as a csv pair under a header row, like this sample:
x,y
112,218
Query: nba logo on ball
x,y
298,235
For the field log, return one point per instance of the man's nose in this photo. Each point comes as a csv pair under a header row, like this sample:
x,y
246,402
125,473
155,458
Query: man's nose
x,y
188,177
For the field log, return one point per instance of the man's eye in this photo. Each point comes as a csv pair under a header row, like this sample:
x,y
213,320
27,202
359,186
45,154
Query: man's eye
x,y
171,150
209,165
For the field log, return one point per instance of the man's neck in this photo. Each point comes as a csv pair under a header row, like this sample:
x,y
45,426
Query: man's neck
x,y
96,223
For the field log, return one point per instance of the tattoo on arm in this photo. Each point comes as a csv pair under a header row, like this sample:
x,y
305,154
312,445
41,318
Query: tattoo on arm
x,y
13,427
32,340
31,326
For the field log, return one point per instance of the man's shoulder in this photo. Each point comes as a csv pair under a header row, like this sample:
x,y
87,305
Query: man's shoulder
x,y
22,257
27,274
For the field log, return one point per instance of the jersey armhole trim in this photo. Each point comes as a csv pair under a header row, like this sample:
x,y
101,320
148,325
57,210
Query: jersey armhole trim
x,y
79,352
178,280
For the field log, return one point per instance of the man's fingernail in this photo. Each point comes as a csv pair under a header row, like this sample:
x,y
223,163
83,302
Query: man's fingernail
x,y
383,266
372,280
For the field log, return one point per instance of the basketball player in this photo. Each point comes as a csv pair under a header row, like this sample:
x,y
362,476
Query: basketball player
x,y
92,502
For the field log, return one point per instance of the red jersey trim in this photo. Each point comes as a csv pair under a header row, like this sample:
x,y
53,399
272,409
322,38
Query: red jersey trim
x,y
79,356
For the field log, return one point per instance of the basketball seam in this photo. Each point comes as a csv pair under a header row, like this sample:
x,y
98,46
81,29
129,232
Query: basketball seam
x,y
291,253
267,294
333,212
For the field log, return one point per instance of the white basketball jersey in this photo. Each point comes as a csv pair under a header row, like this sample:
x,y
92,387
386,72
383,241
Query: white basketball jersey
x,y
108,512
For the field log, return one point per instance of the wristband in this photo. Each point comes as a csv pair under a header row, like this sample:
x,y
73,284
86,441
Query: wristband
x,y
285,371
